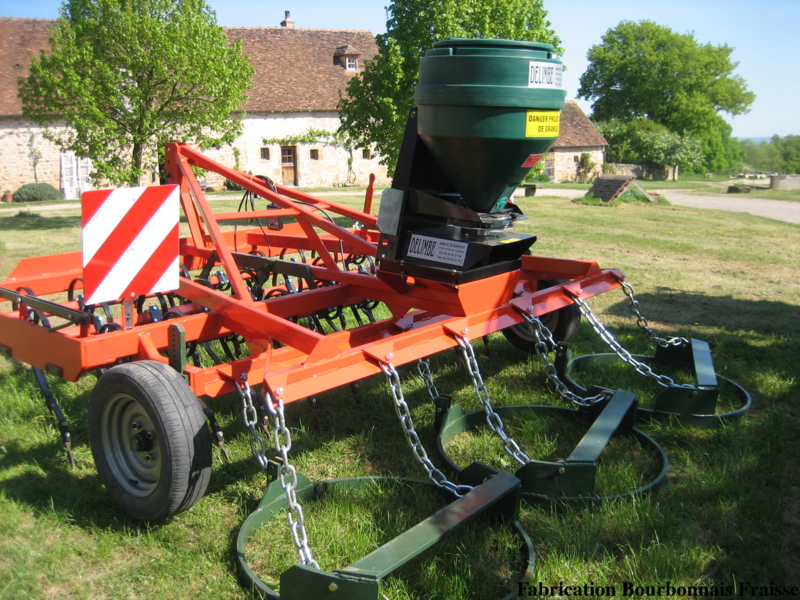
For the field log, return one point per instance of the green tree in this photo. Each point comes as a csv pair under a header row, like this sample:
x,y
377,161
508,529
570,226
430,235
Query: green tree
x,y
762,157
645,70
789,148
126,76
777,155
378,101
642,141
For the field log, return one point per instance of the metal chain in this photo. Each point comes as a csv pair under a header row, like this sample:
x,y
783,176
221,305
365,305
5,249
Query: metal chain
x,y
545,341
404,414
641,322
283,443
608,337
424,370
294,512
257,444
493,420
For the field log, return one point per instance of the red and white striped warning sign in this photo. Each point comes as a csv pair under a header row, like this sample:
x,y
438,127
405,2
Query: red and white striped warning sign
x,y
130,242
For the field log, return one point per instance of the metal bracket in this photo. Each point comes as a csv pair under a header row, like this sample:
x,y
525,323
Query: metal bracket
x,y
127,312
176,348
442,403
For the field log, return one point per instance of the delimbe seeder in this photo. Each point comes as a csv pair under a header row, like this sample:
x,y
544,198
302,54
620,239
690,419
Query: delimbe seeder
x,y
285,309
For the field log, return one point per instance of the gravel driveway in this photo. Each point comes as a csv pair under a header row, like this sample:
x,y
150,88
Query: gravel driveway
x,y
780,210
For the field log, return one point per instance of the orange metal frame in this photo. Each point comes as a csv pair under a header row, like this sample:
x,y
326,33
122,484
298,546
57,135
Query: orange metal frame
x,y
427,316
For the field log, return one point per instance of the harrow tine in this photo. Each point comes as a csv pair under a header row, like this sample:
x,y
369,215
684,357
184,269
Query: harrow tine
x,y
52,405
217,360
216,428
312,401
356,389
485,340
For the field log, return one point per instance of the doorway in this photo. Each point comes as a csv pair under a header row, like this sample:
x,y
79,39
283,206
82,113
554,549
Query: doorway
x,y
289,165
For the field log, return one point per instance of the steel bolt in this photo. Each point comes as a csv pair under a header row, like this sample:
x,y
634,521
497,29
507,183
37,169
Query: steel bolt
x,y
389,356
464,331
333,587
279,392
149,458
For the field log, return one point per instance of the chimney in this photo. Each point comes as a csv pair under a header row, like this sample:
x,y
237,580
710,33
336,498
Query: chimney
x,y
287,22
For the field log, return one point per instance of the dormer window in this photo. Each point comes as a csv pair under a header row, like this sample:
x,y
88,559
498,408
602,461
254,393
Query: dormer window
x,y
347,57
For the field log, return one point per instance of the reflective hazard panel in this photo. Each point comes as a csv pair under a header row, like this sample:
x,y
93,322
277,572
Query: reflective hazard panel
x,y
532,160
130,242
542,123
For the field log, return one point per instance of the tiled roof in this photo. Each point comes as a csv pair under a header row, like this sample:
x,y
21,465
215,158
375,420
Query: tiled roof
x,y
577,129
20,39
295,68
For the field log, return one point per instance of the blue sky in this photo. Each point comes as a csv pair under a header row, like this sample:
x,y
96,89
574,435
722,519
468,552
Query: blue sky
x,y
764,35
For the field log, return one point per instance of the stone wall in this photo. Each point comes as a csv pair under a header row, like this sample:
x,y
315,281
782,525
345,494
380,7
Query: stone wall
x,y
565,161
785,182
21,145
653,172
329,169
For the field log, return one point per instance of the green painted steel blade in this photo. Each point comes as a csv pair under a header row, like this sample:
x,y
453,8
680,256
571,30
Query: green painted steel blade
x,y
596,439
425,534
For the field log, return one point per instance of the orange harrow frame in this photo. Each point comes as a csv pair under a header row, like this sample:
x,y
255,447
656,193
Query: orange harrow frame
x,y
426,316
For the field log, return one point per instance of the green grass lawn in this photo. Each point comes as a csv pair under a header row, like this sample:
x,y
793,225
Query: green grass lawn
x,y
727,513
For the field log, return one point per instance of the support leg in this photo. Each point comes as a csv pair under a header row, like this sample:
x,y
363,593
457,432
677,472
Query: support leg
x,y
52,404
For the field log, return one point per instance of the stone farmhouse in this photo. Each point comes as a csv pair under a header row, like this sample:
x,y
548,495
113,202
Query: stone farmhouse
x,y
578,136
300,75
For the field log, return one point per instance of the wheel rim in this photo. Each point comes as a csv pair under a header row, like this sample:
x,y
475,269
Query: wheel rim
x,y
131,445
525,330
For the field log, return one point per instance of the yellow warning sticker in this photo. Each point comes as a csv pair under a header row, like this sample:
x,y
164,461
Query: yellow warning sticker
x,y
542,124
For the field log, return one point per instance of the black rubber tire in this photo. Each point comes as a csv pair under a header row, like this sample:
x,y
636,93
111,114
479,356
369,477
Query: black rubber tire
x,y
562,323
149,439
